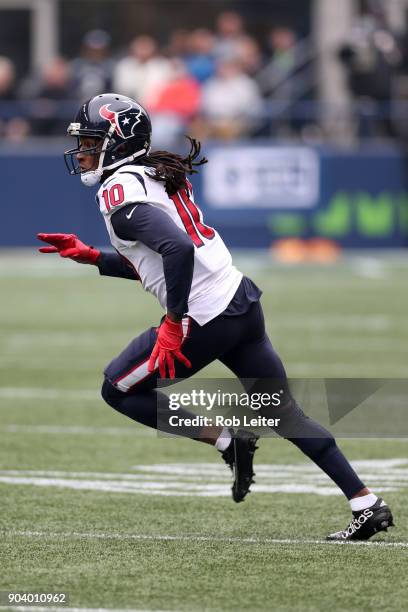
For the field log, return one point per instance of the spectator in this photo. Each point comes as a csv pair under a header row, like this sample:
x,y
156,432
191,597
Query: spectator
x,y
141,73
200,59
53,89
231,102
229,31
7,79
174,106
286,77
249,55
12,126
92,71
372,58
178,44
275,78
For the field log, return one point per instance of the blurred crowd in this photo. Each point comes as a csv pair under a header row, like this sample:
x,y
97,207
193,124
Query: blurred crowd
x,y
221,83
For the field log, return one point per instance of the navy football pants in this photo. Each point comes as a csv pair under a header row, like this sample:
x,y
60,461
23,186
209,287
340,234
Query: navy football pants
x,y
241,343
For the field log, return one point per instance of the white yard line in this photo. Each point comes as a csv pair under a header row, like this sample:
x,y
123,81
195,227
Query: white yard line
x,y
48,394
51,609
168,488
113,431
341,369
210,479
175,488
371,268
77,429
350,343
348,323
190,538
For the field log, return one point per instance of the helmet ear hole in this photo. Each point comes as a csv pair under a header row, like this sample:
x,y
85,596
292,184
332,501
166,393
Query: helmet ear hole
x,y
123,148
120,151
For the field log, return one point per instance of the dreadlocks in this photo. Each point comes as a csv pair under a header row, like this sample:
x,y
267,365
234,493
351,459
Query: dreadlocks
x,y
171,169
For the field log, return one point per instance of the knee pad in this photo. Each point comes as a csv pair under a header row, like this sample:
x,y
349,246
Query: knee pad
x,y
291,417
110,394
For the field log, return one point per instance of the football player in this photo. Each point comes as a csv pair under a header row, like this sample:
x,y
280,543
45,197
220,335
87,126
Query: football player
x,y
212,310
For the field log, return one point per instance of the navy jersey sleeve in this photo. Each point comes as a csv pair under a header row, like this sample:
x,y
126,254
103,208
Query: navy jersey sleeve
x,y
112,264
156,230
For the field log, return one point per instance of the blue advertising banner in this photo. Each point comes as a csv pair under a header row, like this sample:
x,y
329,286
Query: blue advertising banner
x,y
253,194
265,193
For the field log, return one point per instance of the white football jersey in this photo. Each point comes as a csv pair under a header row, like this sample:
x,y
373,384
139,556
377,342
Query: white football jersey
x,y
215,279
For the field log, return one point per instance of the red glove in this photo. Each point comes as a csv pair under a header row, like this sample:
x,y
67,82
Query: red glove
x,y
69,245
167,347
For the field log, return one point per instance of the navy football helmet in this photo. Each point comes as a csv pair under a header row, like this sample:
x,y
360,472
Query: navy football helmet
x,y
123,128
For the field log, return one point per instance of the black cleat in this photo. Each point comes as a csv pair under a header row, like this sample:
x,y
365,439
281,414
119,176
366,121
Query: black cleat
x,y
366,523
240,456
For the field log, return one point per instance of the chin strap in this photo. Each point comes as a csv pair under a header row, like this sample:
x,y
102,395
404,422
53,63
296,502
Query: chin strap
x,y
92,178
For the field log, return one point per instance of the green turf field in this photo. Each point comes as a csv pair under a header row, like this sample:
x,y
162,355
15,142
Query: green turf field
x,y
96,506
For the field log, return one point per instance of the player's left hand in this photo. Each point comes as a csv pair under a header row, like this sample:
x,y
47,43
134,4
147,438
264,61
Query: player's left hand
x,y
167,348
69,245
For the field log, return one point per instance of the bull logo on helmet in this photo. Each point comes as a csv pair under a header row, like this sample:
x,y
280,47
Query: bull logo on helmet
x,y
124,120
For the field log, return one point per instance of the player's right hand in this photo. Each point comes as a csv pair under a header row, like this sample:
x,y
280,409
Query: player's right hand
x,y
69,245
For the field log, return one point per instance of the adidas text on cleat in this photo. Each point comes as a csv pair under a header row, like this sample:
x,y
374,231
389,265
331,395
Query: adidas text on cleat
x,y
239,456
366,523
